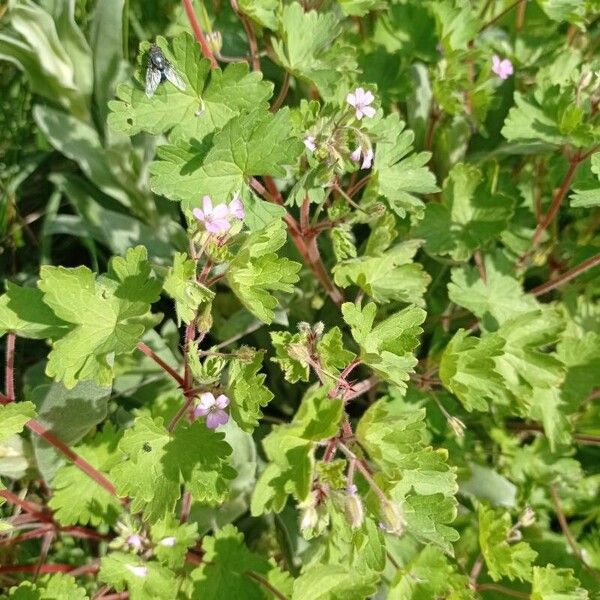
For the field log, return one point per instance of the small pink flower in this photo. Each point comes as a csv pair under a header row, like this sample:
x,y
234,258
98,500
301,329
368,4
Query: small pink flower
x,y
309,142
216,220
502,68
213,409
236,208
367,157
360,100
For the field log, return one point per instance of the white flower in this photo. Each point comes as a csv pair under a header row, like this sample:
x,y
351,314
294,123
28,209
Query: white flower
x,y
309,142
367,157
361,100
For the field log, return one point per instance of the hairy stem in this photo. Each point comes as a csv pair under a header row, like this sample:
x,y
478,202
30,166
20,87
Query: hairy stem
x,y
265,584
567,532
160,362
494,587
77,460
252,43
553,210
565,277
285,86
200,37
10,366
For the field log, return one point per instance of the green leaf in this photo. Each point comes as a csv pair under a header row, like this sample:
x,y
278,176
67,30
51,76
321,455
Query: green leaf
x,y
391,276
388,346
288,358
495,300
144,580
332,354
108,315
468,369
49,587
503,558
263,12
290,448
247,391
571,11
343,242
258,143
589,198
398,175
206,104
309,49
256,270
468,217
456,23
228,566
13,417
333,582
154,465
172,540
182,285
421,481
551,583
77,499
23,312
69,414
526,121
429,575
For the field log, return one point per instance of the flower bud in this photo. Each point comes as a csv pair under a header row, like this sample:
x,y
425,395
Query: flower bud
x,y
309,518
215,41
353,508
137,570
527,518
457,426
585,80
134,541
168,541
392,518
318,329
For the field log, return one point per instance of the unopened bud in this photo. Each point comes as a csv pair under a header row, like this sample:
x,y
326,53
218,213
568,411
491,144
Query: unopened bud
x,y
298,351
585,80
392,518
168,541
318,329
137,570
304,327
514,535
309,518
457,426
353,508
215,41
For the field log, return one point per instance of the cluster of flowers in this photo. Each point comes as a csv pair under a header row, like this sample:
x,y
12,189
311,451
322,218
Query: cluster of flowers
x,y
218,219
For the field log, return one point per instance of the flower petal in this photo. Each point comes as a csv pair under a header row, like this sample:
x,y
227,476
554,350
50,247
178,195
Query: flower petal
x,y
216,418
368,97
198,213
359,94
222,401
351,99
236,208
220,211
207,205
355,156
368,159
207,400
369,111
201,412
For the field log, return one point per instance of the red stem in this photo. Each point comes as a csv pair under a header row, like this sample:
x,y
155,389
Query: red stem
x,y
47,568
31,507
160,362
252,43
77,460
191,15
554,208
10,364
586,265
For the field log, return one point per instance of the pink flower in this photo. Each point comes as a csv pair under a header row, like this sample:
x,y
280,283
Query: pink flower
x,y
216,220
360,100
502,68
213,409
135,541
236,208
309,142
367,157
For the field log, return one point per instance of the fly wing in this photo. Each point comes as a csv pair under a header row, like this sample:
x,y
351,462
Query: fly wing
x,y
172,75
153,77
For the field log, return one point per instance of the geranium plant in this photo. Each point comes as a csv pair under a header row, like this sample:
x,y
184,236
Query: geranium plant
x,y
315,310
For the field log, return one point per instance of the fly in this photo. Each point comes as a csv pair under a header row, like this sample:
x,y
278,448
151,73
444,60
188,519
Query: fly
x,y
159,69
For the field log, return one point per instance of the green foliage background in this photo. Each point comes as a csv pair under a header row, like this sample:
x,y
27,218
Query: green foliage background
x,y
411,348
